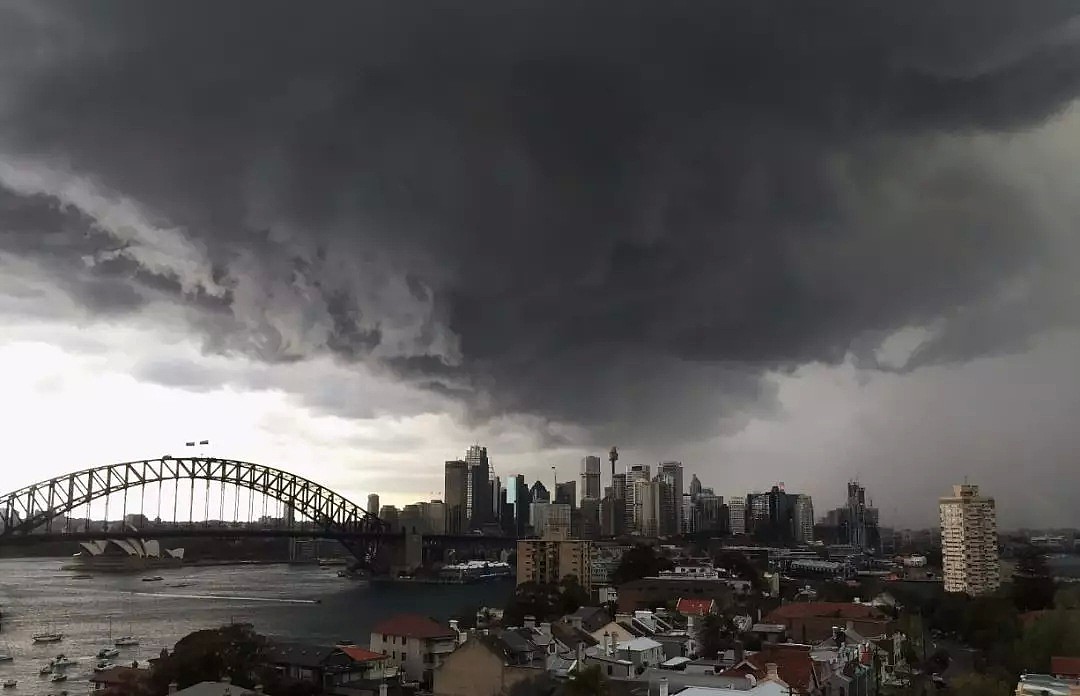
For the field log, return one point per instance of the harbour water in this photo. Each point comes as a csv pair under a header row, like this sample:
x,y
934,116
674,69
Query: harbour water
x,y
304,603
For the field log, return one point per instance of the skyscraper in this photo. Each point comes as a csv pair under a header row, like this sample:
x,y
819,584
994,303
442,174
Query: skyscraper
x,y
373,503
478,495
539,493
804,519
736,505
455,492
969,551
695,486
671,474
566,493
637,472
590,477
856,515
646,507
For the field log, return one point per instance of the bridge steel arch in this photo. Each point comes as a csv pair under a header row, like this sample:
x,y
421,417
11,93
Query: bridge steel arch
x,y
31,507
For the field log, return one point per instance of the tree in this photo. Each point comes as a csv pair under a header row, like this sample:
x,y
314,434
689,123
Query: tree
x,y
589,681
736,563
639,562
714,633
1055,634
572,596
1032,585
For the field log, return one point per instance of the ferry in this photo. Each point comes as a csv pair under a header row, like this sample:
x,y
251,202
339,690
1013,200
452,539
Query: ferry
x,y
10,683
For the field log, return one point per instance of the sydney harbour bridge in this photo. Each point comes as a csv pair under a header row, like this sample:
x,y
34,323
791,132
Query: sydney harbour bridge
x,y
213,497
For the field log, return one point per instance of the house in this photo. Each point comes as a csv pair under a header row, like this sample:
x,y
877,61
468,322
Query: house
x,y
217,688
695,606
326,666
789,663
814,621
657,592
485,665
588,619
641,652
416,644
1065,667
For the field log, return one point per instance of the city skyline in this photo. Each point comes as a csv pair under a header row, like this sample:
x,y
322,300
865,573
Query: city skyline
x,y
354,251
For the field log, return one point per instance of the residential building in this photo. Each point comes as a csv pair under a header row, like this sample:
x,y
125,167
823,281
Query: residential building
x,y
485,665
415,644
551,560
590,477
736,505
969,550
804,519
455,491
551,520
808,622
224,687
642,652
326,667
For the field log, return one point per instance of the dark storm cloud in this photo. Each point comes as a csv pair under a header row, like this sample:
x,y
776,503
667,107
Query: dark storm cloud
x,y
614,214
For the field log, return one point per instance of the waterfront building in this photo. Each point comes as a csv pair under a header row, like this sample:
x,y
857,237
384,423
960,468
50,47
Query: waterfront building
x,y
969,550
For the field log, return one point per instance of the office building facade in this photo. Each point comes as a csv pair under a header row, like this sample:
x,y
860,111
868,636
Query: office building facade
x,y
455,494
590,477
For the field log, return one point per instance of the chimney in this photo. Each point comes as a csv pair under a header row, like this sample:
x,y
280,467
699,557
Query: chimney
x,y
454,625
604,644
545,629
530,621
771,672
580,654
173,687
382,689
663,687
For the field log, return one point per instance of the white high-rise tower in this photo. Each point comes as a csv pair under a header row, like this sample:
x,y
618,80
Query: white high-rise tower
x,y
969,550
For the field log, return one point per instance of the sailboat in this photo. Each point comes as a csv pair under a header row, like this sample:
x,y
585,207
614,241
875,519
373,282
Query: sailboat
x,y
49,636
108,651
127,641
5,654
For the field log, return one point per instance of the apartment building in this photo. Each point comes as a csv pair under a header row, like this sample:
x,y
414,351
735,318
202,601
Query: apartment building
x,y
551,560
969,548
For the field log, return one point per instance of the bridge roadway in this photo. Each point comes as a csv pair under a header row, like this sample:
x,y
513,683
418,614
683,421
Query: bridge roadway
x,y
428,540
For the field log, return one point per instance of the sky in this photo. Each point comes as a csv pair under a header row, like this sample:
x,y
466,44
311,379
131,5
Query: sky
x,y
776,241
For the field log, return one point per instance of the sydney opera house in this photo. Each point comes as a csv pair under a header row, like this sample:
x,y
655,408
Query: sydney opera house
x,y
122,555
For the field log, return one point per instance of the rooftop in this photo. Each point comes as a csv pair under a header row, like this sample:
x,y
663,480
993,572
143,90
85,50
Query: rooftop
x,y
1065,666
840,610
413,626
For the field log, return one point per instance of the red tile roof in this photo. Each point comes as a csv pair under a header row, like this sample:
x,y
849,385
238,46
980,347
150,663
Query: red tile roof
x,y
413,626
840,610
793,664
361,654
1065,666
694,607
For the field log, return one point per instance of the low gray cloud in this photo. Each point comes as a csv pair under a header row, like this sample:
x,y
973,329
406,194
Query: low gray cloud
x,y
614,215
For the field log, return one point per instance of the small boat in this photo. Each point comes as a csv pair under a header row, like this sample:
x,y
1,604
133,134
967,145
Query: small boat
x,y
58,677
10,683
107,653
45,669
103,665
6,657
156,578
47,637
126,642
81,576
63,660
